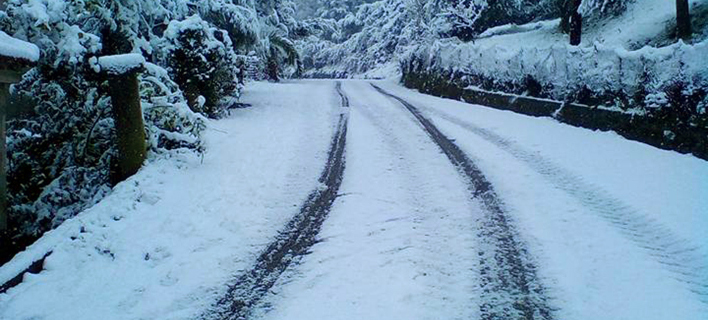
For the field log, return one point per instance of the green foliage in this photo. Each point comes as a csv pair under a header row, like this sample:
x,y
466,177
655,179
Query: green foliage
x,y
281,50
202,61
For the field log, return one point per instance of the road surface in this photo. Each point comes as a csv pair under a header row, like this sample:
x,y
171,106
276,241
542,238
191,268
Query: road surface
x,y
365,200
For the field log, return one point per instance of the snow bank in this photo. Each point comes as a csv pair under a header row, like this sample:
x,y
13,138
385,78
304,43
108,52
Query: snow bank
x,y
513,28
599,67
122,63
15,48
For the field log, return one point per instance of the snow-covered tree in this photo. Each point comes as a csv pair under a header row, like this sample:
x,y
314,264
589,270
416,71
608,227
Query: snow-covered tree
x,y
461,17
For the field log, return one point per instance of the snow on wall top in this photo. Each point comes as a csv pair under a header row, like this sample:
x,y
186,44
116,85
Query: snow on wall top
x,y
15,48
119,64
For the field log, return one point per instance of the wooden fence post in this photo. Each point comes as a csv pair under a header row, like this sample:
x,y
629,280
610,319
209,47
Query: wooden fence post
x,y
122,73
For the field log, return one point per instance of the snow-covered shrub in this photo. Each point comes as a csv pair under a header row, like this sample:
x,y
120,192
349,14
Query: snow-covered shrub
x,y
59,155
702,107
65,145
282,52
568,69
202,61
171,124
500,12
656,100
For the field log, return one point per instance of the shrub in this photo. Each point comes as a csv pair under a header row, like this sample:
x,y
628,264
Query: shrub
x,y
202,61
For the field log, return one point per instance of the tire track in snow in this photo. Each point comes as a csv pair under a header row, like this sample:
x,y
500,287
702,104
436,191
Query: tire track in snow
x,y
345,99
299,235
681,257
510,286
438,243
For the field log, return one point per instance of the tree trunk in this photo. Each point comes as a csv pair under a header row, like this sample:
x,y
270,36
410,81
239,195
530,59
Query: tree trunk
x,y
565,12
683,20
130,130
576,28
273,69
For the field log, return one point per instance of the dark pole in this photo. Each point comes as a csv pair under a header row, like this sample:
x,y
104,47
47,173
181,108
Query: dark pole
x,y
576,29
130,130
566,11
683,20
576,23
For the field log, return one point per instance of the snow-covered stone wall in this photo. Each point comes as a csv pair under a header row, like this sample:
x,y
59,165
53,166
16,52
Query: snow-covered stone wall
x,y
653,95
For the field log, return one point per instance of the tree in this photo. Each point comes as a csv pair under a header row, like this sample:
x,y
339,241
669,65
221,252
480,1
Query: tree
x,y
571,20
683,20
462,17
576,27
565,12
281,51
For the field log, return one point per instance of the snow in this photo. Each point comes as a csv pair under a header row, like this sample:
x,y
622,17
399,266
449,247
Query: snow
x,y
15,48
122,63
45,12
643,21
598,66
563,183
513,28
601,215
163,244
399,242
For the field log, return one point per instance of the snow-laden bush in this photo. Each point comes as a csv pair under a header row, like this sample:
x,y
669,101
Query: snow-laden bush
x,y
651,78
201,59
171,124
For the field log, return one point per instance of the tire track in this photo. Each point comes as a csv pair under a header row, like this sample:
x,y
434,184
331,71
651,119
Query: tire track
x,y
345,99
299,235
685,260
439,237
510,287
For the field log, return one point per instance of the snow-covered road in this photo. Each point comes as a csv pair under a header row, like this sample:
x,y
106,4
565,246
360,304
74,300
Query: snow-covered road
x,y
574,224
